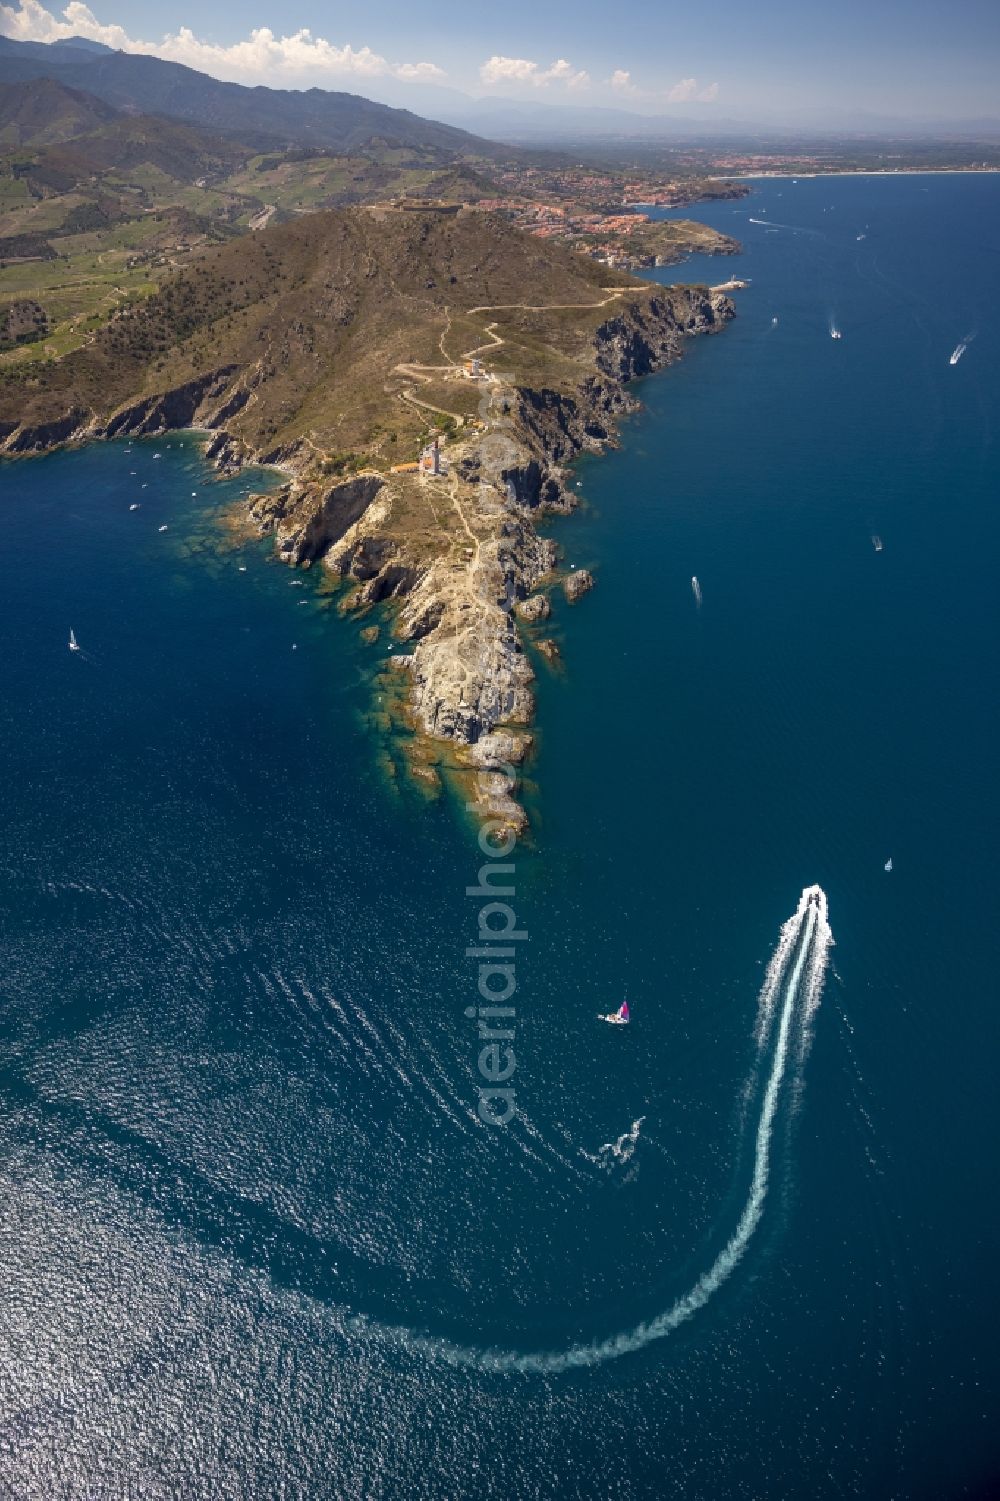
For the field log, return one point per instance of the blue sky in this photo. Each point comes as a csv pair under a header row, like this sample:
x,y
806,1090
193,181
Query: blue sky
x,y
907,58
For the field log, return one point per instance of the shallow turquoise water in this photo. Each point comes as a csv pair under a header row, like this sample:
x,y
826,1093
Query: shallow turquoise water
x,y
251,1216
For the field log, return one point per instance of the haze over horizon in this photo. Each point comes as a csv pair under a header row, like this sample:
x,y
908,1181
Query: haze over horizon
x,y
904,61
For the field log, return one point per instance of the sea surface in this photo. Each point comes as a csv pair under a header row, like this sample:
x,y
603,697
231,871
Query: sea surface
x,y
255,1240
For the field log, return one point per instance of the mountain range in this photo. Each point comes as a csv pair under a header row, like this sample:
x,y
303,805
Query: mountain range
x,y
262,117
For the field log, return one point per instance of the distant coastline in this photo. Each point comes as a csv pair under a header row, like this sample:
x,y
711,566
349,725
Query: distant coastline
x,y
864,172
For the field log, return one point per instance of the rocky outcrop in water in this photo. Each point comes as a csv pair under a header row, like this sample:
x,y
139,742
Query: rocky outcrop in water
x,y
577,583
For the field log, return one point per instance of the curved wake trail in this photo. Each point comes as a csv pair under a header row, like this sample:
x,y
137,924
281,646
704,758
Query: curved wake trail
x,y
792,988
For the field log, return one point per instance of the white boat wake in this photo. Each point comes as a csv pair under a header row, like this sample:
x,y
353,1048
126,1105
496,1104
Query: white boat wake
x,y
789,997
796,229
960,348
620,1150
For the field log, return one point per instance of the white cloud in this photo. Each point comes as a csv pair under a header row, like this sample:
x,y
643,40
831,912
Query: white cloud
x,y
688,89
506,70
261,57
684,91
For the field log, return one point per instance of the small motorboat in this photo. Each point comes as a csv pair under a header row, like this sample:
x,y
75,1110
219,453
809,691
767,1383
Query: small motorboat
x,y
888,864
74,645
877,542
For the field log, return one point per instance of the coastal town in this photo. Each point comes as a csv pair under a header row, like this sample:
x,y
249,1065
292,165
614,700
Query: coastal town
x,y
603,214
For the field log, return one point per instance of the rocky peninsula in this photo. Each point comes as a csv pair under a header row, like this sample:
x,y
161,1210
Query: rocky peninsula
x,y
424,380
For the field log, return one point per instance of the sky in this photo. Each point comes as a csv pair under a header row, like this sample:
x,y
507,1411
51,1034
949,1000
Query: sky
x,y
906,59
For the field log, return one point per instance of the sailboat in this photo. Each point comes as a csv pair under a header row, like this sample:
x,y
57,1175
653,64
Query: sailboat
x,y
74,645
619,1018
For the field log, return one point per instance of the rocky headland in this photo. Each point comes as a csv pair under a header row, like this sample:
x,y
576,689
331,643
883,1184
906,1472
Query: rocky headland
x,y
452,548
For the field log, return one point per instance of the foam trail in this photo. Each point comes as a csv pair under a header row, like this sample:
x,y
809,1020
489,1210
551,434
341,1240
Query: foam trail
x,y
960,348
796,971
620,1150
796,229
777,965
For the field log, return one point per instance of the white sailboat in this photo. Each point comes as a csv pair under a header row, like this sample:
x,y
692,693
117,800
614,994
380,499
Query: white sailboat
x,y
74,645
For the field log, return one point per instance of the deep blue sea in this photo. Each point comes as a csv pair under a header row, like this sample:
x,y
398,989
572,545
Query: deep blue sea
x,y
255,1240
